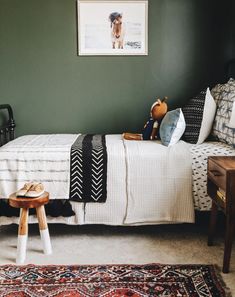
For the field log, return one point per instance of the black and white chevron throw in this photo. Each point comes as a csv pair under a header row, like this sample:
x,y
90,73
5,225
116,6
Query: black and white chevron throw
x,y
88,169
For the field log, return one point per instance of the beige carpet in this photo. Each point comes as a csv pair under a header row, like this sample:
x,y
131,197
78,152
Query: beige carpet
x,y
173,244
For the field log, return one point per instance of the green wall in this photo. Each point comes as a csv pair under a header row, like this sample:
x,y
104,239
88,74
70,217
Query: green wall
x,y
232,29
53,90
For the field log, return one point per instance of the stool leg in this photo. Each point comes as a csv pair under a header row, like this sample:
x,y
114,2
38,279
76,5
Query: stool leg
x,y
44,232
22,236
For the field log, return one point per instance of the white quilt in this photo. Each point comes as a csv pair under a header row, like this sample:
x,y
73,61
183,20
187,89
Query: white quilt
x,y
147,183
159,183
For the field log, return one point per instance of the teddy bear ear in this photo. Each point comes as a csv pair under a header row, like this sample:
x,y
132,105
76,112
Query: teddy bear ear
x,y
164,99
157,101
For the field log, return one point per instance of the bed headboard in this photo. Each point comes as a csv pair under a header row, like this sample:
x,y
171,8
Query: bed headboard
x,y
7,127
230,69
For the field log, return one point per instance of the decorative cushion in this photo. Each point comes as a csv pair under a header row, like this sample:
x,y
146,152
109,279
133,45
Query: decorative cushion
x,y
217,90
208,117
199,115
221,128
231,123
172,127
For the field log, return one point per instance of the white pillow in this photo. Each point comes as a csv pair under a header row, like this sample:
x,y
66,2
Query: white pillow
x,y
172,127
208,117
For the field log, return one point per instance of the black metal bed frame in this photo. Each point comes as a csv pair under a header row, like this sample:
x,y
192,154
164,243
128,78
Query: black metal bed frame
x,y
7,131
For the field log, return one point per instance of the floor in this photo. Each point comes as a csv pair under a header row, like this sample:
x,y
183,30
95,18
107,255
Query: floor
x,y
173,244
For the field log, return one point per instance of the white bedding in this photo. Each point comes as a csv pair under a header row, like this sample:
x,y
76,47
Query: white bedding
x,y
159,182
43,158
200,153
147,183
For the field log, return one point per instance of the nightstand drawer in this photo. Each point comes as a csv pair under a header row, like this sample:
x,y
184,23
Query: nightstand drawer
x,y
217,174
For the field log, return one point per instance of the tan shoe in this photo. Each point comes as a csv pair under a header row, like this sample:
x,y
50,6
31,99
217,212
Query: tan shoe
x,y
36,190
24,190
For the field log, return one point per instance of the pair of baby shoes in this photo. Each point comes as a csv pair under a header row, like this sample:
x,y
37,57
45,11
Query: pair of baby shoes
x,y
31,189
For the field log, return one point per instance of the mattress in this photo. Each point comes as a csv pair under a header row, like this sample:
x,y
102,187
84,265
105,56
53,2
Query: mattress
x,y
147,183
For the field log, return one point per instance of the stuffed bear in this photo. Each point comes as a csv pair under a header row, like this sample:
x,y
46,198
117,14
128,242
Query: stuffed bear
x,y
150,131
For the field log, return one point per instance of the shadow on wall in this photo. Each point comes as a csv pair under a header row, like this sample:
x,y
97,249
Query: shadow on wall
x,y
193,47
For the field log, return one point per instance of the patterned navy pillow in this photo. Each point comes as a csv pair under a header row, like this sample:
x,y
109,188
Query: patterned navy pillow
x,y
221,129
199,115
217,90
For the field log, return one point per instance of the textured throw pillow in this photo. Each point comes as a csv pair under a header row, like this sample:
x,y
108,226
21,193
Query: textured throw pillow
x,y
172,127
208,117
199,114
217,90
221,128
231,123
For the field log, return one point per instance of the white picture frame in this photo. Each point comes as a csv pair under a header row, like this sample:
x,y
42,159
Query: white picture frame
x,y
112,27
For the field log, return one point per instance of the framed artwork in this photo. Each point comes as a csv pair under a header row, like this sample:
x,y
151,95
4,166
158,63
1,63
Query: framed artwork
x,y
112,27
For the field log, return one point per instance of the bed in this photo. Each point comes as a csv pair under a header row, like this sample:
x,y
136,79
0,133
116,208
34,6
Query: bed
x,y
132,179
146,182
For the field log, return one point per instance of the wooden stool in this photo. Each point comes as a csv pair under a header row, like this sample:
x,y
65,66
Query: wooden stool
x,y
24,204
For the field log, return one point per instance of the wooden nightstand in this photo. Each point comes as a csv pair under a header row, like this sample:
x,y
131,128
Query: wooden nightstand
x,y
221,189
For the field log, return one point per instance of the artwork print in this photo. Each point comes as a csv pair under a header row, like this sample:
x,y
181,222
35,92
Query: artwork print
x,y
112,27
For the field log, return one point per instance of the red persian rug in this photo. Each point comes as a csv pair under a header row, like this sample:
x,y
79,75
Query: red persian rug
x,y
111,280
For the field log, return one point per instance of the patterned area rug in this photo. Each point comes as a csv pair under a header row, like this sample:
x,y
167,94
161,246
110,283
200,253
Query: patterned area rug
x,y
111,280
